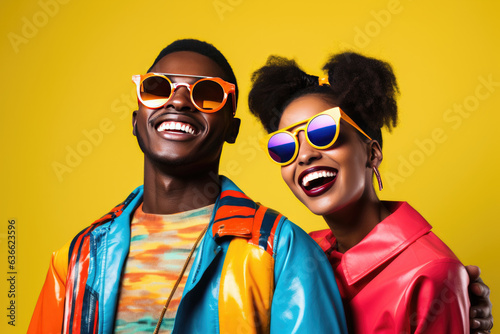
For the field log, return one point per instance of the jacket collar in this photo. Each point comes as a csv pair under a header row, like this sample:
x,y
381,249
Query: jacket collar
x,y
128,205
389,238
234,212
233,216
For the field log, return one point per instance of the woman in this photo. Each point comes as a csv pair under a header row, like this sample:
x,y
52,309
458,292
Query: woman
x,y
394,274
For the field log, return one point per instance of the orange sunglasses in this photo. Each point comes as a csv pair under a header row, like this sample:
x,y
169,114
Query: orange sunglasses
x,y
208,94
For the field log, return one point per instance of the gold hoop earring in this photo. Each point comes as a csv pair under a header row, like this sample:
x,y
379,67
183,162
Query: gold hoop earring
x,y
379,179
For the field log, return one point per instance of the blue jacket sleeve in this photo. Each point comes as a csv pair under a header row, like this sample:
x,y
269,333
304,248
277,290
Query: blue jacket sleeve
x,y
306,298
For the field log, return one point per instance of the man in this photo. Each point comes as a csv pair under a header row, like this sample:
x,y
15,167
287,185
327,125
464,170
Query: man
x,y
252,272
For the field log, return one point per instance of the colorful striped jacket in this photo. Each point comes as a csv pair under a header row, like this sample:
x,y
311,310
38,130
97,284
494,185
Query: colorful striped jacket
x,y
255,272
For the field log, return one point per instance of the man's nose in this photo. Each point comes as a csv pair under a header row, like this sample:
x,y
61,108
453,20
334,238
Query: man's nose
x,y
181,99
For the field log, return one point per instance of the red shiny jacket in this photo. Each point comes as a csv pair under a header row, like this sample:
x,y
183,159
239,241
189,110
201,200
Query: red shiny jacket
x,y
401,278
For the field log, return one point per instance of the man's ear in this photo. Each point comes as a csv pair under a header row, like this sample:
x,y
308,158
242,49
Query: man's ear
x,y
233,131
134,122
375,154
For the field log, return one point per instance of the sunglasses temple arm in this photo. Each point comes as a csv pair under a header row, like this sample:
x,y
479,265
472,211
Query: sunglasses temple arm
x,y
350,121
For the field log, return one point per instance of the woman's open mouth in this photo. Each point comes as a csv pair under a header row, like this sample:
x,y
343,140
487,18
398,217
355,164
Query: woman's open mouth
x,y
317,180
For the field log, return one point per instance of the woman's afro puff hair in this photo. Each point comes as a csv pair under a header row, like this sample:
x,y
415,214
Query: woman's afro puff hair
x,y
365,88
275,85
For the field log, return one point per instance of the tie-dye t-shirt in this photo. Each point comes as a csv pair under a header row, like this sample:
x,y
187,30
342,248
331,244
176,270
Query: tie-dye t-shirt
x,y
159,247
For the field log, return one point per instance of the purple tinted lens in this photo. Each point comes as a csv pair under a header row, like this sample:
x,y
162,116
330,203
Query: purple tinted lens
x,y
321,130
281,147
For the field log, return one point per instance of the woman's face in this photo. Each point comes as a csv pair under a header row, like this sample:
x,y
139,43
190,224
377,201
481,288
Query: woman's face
x,y
326,180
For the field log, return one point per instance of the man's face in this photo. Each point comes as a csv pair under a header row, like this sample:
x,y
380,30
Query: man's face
x,y
177,134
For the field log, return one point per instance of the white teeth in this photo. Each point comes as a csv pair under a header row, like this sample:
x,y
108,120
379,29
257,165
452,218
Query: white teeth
x,y
316,175
176,126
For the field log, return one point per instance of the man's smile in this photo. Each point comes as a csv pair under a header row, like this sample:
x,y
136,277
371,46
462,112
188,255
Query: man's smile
x,y
176,126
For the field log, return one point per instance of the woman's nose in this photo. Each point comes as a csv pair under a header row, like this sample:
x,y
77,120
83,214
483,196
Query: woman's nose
x,y
307,154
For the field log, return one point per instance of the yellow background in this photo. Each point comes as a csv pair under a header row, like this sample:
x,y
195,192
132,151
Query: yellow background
x,y
66,68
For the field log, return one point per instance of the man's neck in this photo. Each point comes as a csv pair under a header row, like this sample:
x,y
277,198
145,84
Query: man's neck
x,y
165,193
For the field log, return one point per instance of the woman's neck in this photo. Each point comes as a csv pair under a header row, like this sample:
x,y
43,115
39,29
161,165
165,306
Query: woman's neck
x,y
352,223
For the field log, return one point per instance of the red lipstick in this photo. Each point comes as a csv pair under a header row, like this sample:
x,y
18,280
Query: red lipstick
x,y
317,180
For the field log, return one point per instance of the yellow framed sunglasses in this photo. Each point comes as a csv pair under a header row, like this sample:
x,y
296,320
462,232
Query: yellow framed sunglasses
x,y
321,132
